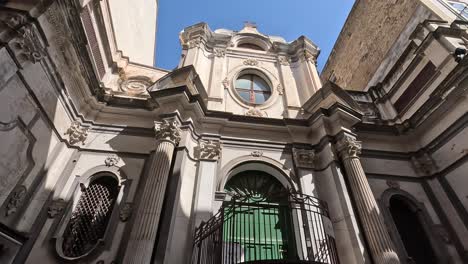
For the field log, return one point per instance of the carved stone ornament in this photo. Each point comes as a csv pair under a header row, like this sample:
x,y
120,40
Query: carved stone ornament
x,y
304,158
16,199
56,208
194,43
254,112
251,62
424,164
283,60
14,20
280,89
209,149
168,130
257,153
218,52
226,83
77,133
349,147
393,184
112,160
135,85
126,212
29,44
308,56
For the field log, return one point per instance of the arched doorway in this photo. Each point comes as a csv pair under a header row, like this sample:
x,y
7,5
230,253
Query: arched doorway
x,y
411,231
258,223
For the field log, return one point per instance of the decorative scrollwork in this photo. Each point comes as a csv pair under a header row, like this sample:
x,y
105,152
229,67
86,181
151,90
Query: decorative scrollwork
x,y
254,112
251,62
257,153
135,85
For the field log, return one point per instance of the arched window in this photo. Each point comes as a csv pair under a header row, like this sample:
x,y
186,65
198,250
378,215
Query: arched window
x,y
90,217
253,89
259,223
249,46
412,233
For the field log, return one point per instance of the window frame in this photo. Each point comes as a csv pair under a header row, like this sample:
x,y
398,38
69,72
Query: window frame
x,y
252,92
72,202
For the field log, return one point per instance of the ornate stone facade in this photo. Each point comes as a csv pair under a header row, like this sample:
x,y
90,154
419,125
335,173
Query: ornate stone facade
x,y
82,106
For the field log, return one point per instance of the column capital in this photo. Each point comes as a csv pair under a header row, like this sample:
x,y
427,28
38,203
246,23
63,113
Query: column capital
x,y
304,158
167,130
349,147
209,150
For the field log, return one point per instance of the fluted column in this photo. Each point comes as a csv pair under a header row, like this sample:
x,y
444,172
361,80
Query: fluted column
x,y
145,227
381,246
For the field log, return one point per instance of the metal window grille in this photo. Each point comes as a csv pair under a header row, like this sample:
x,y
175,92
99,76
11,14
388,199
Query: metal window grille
x,y
90,218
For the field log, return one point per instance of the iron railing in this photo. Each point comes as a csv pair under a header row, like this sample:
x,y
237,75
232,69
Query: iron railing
x,y
287,228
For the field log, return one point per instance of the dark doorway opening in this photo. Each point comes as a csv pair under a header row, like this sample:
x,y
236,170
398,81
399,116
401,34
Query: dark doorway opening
x,y
411,232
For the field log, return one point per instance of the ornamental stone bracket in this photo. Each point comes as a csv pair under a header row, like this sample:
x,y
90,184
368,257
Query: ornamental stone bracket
x,y
424,164
219,52
126,212
349,147
56,208
304,158
77,133
284,60
16,200
168,130
209,150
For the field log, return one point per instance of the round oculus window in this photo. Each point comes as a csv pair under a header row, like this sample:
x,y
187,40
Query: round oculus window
x,y
253,89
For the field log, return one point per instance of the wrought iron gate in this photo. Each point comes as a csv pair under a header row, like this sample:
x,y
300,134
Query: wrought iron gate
x,y
287,228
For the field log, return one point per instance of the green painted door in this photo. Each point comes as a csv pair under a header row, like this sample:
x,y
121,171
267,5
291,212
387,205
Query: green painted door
x,y
256,227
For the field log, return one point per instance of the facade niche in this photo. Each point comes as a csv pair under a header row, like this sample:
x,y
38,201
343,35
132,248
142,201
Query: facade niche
x,y
90,217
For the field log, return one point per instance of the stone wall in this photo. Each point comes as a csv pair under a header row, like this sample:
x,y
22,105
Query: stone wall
x,y
370,30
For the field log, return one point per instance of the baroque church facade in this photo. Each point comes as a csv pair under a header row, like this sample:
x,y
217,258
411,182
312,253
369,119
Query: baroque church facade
x,y
243,153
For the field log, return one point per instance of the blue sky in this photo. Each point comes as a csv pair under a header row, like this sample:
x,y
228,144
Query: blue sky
x,y
319,20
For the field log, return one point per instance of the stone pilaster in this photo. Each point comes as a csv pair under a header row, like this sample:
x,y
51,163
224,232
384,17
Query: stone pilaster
x,y
209,152
380,244
143,234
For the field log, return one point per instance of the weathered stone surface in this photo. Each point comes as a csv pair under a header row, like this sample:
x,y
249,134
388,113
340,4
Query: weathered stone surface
x,y
370,30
